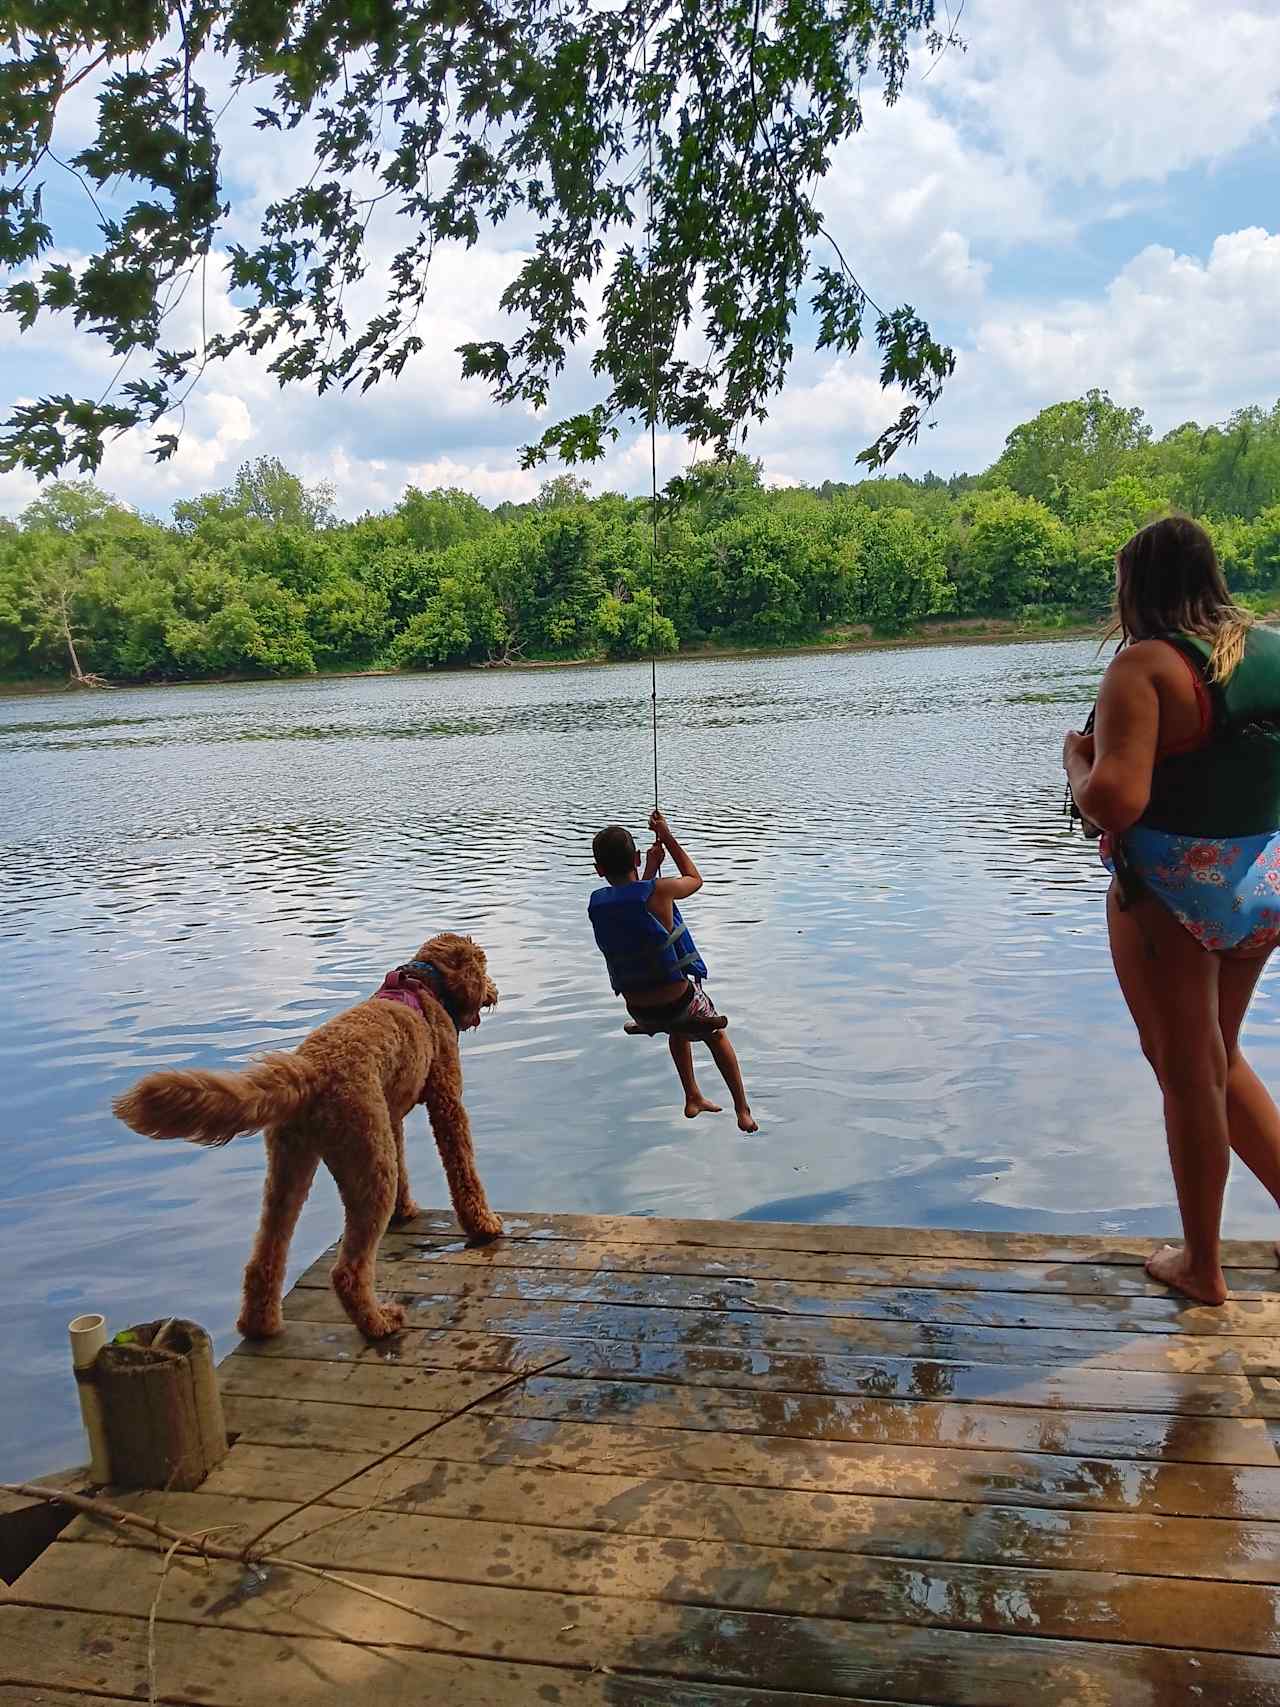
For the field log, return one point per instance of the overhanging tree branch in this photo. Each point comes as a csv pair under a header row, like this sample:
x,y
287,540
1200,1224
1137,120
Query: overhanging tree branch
x,y
463,116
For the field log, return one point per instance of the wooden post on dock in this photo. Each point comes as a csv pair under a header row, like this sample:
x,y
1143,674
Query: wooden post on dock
x,y
160,1399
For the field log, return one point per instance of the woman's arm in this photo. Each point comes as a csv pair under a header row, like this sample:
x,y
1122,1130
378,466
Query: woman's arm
x,y
1110,771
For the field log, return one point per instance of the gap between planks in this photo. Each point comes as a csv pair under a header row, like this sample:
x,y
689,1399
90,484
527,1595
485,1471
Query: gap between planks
x,y
313,1672
840,1524
822,1239
1029,1481
1126,1313
1136,1610
642,1327
956,1274
300,1408
852,1372
693,1643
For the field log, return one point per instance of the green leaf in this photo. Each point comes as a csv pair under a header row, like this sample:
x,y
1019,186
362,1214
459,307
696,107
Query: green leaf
x,y
464,119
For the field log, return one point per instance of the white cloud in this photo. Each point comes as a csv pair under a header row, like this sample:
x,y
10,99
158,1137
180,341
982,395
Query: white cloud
x,y
1058,120
491,484
1184,337
1084,90
816,430
1179,334
912,195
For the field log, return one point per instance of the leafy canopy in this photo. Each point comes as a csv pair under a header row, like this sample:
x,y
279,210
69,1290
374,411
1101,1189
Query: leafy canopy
x,y
242,582
1069,448
457,115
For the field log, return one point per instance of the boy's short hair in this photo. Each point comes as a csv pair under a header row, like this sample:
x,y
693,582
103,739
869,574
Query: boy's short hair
x,y
614,848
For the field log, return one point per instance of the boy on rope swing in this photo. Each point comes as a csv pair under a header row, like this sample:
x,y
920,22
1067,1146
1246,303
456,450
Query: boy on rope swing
x,y
653,963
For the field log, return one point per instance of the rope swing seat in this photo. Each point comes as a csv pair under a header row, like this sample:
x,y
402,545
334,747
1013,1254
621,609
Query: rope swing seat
x,y
697,1031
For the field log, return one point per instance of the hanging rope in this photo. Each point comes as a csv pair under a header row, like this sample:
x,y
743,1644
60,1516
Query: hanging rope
x,y
653,433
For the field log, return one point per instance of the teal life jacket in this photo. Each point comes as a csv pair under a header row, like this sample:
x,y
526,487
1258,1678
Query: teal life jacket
x,y
1229,785
638,949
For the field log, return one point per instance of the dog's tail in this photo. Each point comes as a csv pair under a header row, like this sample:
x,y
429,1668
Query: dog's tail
x,y
213,1108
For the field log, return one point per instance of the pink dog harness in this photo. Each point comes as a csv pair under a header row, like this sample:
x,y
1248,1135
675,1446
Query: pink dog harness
x,y
403,985
396,987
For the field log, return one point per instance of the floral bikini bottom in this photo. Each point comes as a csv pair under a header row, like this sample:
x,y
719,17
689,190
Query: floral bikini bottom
x,y
1225,891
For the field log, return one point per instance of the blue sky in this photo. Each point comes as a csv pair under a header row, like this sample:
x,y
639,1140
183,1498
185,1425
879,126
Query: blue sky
x,y
1088,195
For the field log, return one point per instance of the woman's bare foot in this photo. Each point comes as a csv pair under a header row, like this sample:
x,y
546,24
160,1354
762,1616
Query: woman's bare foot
x,y
1171,1266
746,1121
696,1105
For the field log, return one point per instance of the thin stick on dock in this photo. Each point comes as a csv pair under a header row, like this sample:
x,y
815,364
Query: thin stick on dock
x,y
250,1553
106,1511
394,1452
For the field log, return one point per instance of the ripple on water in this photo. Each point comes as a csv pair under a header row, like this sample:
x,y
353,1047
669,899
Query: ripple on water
x,y
910,946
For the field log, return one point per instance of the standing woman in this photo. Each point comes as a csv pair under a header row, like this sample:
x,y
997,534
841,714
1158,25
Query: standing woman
x,y
1182,773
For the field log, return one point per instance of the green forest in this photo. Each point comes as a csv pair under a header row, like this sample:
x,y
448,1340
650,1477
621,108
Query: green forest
x,y
262,579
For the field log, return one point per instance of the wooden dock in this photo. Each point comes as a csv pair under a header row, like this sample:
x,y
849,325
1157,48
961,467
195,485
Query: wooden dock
x,y
714,1464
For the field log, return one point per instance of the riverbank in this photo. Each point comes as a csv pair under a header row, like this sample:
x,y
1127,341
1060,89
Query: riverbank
x,y
858,638
943,631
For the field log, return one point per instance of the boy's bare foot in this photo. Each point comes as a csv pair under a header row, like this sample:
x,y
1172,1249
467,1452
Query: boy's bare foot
x,y
696,1105
1171,1266
746,1120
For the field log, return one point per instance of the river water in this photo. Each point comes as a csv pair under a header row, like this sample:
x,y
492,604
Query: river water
x,y
910,945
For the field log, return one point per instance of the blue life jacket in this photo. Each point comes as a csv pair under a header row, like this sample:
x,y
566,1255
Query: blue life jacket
x,y
638,949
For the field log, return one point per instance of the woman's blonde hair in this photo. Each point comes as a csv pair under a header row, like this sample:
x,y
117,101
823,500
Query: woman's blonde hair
x,y
1170,582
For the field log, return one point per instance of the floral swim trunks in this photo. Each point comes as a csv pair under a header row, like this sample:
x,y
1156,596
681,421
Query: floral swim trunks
x,y
693,1011
1226,891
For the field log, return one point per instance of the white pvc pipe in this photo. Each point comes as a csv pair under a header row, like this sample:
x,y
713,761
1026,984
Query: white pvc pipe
x,y
88,1335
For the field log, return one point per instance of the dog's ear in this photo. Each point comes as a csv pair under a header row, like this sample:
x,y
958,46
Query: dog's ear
x,y
462,963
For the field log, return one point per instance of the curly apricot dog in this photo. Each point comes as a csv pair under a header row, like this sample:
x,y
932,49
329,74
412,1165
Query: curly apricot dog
x,y
341,1099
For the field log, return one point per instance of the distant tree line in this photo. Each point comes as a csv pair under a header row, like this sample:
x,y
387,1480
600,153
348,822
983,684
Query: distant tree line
x,y
261,578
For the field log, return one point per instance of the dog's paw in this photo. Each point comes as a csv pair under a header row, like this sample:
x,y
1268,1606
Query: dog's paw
x,y
264,1327
384,1322
484,1228
409,1211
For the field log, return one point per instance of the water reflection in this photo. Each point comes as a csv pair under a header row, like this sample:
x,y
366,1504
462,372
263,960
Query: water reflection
x,y
909,944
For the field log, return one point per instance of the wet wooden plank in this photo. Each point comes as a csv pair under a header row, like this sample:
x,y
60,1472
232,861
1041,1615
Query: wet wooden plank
x,y
211,1667
734,1576
922,1423
253,1372
1099,1484
946,1274
459,1497
820,1238
74,1480
671,1639
23,1695
352,1428
765,1331
548,1449
28,1524
1077,1539
465,1357
351,1405
499,1562
986,1307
